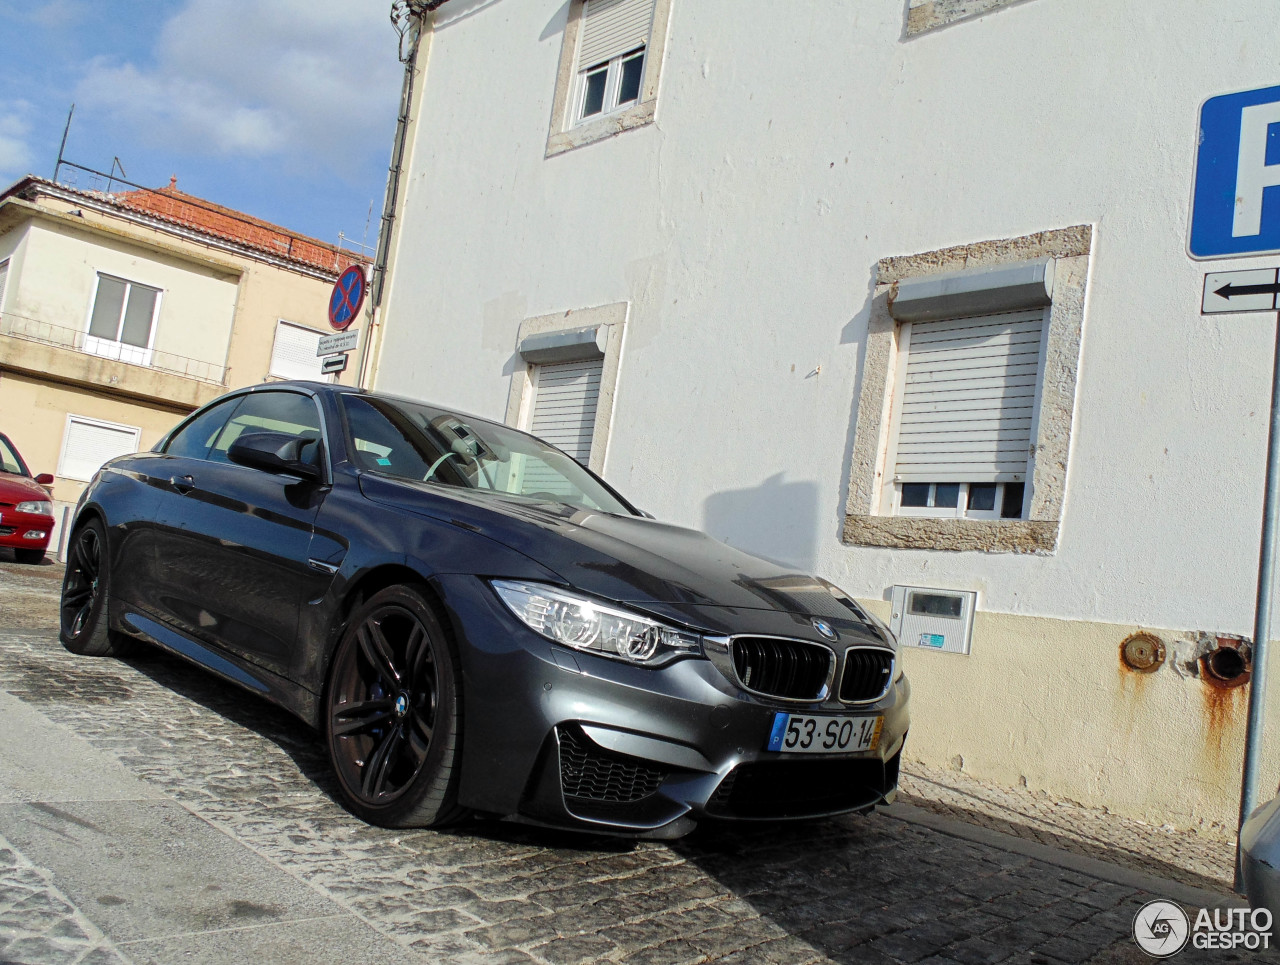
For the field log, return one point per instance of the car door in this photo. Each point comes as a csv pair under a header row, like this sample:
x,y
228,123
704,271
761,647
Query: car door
x,y
236,545
138,582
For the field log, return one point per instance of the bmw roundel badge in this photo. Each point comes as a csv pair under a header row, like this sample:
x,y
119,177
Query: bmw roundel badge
x,y
823,627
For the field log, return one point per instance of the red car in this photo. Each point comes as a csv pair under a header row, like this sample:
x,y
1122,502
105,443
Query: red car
x,y
26,511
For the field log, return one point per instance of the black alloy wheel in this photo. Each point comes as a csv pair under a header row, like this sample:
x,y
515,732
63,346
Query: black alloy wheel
x,y
85,593
391,713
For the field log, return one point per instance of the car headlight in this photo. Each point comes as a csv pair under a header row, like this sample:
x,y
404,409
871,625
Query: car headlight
x,y
586,624
41,507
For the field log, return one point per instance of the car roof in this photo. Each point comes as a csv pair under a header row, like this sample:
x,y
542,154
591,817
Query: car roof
x,y
335,388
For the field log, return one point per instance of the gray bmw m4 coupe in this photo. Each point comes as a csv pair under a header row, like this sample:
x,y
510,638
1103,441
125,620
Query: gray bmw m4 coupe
x,y
477,624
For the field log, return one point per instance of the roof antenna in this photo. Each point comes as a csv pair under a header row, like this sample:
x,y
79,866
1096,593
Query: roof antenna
x,y
63,146
115,163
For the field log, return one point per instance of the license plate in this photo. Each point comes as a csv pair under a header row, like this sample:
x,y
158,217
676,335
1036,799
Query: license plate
x,y
803,734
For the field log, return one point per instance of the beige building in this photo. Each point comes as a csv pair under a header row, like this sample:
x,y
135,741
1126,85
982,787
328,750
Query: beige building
x,y
120,313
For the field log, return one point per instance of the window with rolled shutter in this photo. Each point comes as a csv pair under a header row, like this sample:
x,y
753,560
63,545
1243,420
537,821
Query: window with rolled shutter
x,y
611,55
293,356
89,443
565,395
967,399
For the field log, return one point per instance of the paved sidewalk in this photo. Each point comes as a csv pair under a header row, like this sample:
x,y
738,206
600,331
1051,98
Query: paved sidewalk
x,y
151,813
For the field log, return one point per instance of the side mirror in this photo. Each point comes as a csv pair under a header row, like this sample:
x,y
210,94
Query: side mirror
x,y
45,479
275,452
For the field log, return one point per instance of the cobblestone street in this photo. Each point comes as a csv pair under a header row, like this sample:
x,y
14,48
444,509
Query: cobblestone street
x,y
150,813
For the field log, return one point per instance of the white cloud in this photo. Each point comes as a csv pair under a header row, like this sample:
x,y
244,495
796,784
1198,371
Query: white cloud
x,y
16,156
311,80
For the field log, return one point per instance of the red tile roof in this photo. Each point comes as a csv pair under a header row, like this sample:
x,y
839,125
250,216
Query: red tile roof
x,y
196,214
185,209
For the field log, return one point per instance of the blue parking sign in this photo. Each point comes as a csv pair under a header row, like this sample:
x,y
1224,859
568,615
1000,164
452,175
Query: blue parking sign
x,y
1235,204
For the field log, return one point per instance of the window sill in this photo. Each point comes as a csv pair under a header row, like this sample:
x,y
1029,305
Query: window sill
x,y
975,535
580,135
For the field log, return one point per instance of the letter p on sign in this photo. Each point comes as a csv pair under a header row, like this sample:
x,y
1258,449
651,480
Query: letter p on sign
x,y
1253,172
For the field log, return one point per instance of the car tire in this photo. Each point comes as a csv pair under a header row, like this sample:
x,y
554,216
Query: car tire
x,y
86,594
29,556
392,718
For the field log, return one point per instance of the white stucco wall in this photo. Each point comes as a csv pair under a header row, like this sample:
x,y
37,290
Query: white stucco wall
x,y
792,150
57,282
795,146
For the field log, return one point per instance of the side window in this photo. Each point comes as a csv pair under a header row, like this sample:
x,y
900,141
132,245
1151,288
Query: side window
x,y
194,439
287,412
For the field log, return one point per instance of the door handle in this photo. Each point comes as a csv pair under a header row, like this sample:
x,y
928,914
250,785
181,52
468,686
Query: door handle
x,y
183,484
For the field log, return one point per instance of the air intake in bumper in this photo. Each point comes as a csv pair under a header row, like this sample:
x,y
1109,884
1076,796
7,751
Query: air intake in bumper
x,y
772,790
590,773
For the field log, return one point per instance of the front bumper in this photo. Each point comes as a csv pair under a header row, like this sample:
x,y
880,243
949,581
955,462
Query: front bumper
x,y
18,530
564,738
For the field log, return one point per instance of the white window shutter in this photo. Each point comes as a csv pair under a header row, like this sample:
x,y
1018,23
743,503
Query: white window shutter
x,y
294,354
564,405
88,444
611,28
968,398
4,276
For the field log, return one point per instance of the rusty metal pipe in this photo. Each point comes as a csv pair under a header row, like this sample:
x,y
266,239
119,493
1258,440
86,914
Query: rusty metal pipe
x,y
1262,614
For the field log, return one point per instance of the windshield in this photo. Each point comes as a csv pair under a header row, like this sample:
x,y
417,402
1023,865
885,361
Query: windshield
x,y
417,442
10,461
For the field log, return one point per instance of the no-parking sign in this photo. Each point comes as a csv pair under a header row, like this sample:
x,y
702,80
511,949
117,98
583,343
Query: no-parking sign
x,y
347,297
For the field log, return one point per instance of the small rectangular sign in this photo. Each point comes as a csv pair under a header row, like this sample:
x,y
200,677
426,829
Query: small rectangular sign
x,y
334,363
932,640
1240,291
342,342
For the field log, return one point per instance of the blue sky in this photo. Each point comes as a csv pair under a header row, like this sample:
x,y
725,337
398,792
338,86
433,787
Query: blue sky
x,y
284,109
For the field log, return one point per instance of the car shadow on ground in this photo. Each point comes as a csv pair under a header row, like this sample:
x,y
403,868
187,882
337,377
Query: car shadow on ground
x,y
1079,842
305,747
302,744
7,555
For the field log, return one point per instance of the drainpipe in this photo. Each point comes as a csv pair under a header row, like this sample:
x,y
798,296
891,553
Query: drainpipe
x,y
408,17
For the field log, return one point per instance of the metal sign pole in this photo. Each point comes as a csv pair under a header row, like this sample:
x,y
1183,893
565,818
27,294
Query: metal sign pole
x,y
1262,620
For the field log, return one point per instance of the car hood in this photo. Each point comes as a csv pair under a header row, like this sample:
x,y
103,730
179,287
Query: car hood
x,y
17,489
626,558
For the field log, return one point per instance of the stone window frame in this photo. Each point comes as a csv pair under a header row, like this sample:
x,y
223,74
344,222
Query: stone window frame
x,y
926,15
866,521
564,134
609,324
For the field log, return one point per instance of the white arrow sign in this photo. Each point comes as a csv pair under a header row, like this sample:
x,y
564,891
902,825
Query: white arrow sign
x,y
1241,291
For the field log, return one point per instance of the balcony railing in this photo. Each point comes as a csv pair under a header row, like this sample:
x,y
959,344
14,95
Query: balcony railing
x,y
35,330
